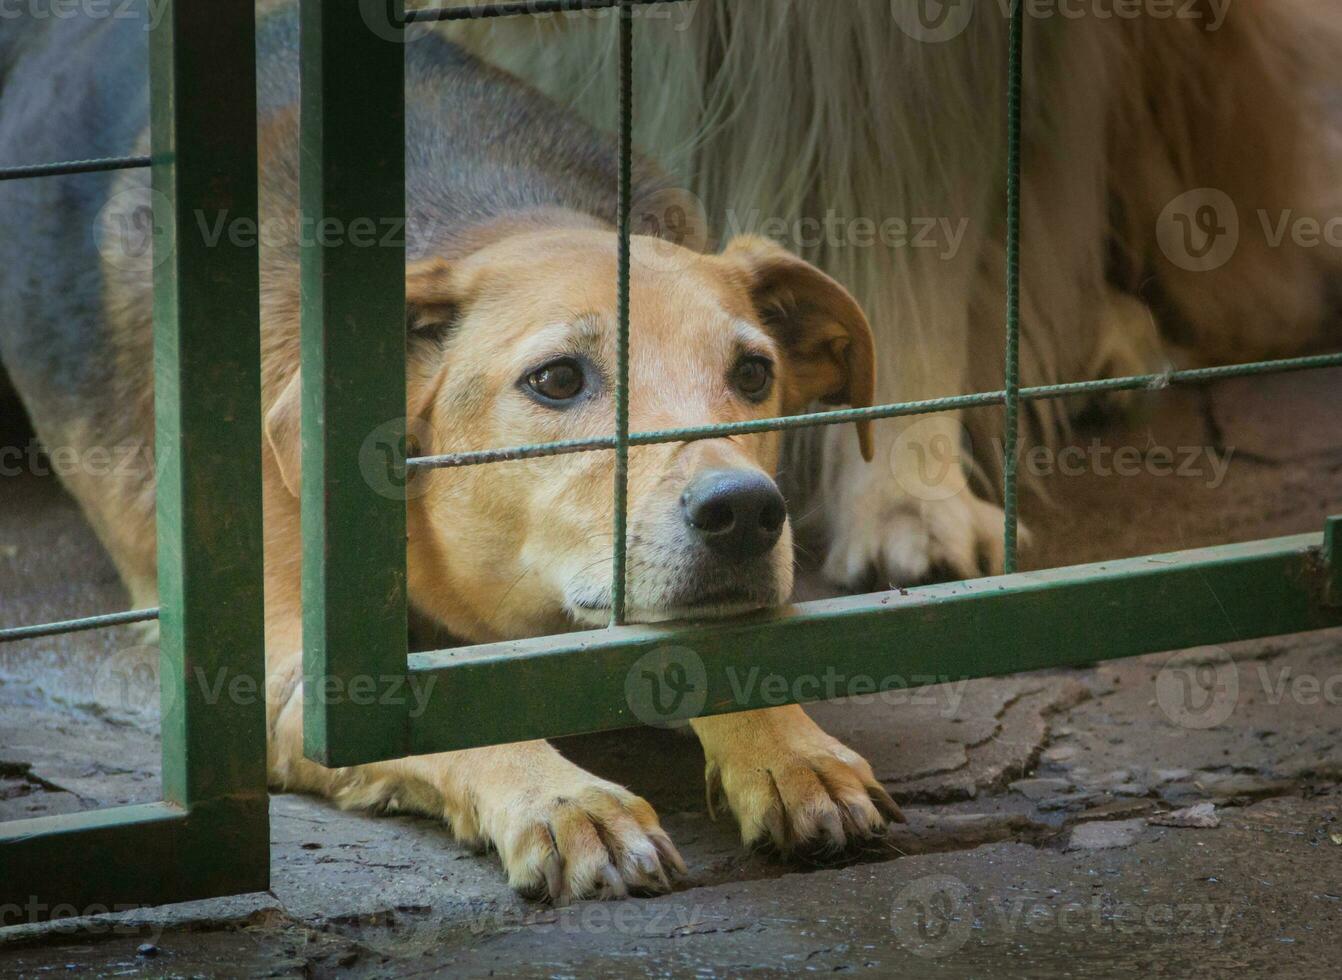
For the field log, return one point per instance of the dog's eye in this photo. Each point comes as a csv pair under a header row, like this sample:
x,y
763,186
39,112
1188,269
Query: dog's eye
x,y
753,377
558,381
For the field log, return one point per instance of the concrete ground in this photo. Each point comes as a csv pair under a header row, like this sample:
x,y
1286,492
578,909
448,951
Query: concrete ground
x,y
1064,823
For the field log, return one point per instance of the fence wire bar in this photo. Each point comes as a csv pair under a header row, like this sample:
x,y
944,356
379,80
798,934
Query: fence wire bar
x,y
1011,432
621,510
78,625
1136,382
521,8
73,167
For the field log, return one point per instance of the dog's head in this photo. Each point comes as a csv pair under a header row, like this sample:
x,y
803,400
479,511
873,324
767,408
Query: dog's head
x,y
515,344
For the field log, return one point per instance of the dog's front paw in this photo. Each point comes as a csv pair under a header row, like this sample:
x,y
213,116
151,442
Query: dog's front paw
x,y
894,539
565,835
791,785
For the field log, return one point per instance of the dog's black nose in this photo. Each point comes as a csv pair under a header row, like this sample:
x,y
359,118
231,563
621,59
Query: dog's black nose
x,y
738,513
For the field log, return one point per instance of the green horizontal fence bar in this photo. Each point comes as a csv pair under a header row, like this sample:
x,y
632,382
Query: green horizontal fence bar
x,y
1137,382
129,857
354,387
211,836
507,692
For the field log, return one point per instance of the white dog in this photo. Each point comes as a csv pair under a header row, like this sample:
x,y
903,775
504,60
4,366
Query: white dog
x,y
1176,155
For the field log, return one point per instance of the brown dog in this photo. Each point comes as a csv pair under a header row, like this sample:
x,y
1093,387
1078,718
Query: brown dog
x,y
511,333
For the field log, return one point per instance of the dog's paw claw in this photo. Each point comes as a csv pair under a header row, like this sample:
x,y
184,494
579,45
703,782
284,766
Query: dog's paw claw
x,y
599,843
816,798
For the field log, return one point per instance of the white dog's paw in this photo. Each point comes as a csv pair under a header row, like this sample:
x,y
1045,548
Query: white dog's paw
x,y
575,838
791,785
901,540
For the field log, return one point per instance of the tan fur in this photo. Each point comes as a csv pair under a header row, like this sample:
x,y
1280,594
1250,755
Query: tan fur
x,y
494,552
491,548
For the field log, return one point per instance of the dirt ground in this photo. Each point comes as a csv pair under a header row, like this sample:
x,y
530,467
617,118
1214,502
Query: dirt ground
x,y
1062,823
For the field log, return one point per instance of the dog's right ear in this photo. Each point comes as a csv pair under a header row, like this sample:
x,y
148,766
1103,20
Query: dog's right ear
x,y
434,295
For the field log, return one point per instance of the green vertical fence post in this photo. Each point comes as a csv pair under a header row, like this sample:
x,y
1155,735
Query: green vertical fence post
x,y
207,405
353,356
210,836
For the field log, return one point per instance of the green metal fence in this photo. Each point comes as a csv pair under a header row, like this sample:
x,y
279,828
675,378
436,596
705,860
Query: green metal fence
x,y
354,537
210,834
353,372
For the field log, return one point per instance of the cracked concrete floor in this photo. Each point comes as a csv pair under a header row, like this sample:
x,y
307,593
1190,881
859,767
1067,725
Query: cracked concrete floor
x,y
1038,841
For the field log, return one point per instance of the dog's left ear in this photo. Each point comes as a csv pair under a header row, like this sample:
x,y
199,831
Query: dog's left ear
x,y
433,301
822,330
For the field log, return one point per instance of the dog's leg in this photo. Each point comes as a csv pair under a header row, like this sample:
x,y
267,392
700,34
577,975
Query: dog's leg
x,y
790,784
561,832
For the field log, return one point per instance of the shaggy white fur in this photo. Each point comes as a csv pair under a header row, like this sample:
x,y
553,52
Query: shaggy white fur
x,y
875,146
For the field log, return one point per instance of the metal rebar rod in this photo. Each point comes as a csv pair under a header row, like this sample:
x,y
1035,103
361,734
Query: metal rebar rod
x,y
1137,382
624,205
77,625
73,167
1010,506
519,8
